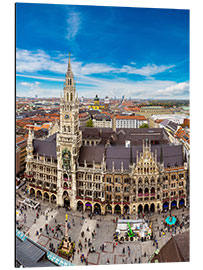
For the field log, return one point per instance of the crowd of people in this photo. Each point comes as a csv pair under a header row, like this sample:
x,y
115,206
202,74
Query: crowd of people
x,y
84,246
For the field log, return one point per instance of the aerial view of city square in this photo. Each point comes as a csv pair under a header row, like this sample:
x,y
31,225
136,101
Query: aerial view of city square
x,y
102,162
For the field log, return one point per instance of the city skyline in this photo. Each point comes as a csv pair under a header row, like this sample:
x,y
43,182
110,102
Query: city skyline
x,y
135,52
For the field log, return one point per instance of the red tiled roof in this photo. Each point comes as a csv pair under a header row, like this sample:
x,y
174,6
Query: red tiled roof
x,y
174,168
182,134
106,113
137,117
83,115
158,121
20,139
132,109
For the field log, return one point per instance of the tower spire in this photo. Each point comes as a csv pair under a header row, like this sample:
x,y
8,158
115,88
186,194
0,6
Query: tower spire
x,y
69,71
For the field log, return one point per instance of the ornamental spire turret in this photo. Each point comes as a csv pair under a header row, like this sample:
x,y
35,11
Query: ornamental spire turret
x,y
69,72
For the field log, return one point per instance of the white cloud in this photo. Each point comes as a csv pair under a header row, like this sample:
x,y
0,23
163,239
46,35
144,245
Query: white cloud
x,y
147,70
137,89
74,24
175,89
36,61
27,84
96,69
41,78
31,61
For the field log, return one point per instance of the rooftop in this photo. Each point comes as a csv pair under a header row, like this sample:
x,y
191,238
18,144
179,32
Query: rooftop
x,y
175,250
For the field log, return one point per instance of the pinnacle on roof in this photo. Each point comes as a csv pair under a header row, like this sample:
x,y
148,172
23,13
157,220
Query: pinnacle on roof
x,y
69,71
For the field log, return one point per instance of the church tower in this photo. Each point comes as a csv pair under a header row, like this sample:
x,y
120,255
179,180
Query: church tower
x,y
69,141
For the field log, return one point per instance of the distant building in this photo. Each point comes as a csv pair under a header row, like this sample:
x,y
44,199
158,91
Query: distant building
x,y
83,118
123,121
21,153
176,118
171,129
151,110
96,105
106,103
17,160
103,121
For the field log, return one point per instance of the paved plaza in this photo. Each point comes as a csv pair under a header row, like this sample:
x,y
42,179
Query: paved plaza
x,y
103,227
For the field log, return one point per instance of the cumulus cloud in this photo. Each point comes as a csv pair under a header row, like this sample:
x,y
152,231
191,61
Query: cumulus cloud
x,y
175,89
32,61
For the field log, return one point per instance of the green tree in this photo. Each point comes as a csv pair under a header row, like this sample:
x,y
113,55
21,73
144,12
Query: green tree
x,y
89,123
144,125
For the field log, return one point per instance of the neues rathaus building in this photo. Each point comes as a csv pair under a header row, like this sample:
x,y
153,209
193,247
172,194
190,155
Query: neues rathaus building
x,y
105,170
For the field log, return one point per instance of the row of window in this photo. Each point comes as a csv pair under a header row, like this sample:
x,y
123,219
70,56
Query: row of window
x,y
44,184
173,176
45,177
118,180
89,177
173,193
44,169
173,185
88,185
89,193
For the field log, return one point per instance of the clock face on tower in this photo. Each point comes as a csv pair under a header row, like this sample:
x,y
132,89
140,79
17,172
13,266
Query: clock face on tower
x,y
66,116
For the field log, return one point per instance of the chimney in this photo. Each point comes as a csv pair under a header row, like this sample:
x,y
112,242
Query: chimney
x,y
127,144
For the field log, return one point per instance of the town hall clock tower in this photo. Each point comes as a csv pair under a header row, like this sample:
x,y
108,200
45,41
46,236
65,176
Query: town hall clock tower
x,y
68,143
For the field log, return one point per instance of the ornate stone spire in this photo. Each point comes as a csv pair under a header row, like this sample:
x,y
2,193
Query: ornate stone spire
x,y
69,72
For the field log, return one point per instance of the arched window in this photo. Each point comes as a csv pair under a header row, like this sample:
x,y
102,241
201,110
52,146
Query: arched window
x,y
146,180
152,180
140,191
71,97
140,181
146,191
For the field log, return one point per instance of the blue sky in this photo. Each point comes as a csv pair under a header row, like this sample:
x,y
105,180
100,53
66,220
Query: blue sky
x,y
136,52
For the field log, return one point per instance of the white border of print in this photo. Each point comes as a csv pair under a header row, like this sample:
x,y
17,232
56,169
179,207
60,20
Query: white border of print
x,y
7,125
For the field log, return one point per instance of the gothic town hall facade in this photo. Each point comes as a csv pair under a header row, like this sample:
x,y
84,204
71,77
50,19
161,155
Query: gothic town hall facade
x,y
105,170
